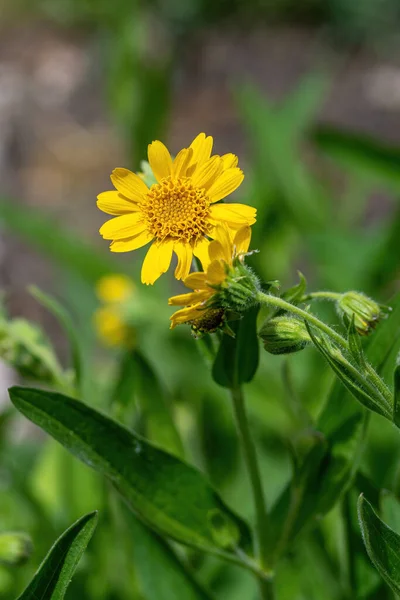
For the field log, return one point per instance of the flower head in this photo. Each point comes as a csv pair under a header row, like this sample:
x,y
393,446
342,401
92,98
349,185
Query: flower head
x,y
366,312
226,284
179,212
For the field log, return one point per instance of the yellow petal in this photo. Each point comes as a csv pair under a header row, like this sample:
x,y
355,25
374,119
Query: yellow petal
x,y
202,148
114,203
227,182
123,226
157,261
131,243
208,173
242,239
184,252
216,251
233,213
200,250
114,288
160,160
229,161
216,272
181,163
196,281
221,234
190,298
185,315
129,184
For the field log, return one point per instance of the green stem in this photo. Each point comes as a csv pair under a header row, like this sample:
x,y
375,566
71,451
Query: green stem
x,y
262,518
321,295
277,302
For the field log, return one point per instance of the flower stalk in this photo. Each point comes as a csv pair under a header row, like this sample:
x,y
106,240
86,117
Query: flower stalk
x,y
262,517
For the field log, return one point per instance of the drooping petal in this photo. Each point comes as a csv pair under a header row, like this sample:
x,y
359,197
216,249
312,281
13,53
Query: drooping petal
x,y
114,203
190,298
123,227
205,176
132,243
216,272
157,261
227,182
181,162
202,148
160,160
129,184
221,234
216,251
242,239
200,250
233,213
184,252
196,281
229,160
185,315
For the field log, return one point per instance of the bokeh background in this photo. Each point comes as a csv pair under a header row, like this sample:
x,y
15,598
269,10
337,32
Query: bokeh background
x,y
308,95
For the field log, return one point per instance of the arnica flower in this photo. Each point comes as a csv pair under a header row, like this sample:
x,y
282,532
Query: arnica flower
x,y
111,326
226,284
179,213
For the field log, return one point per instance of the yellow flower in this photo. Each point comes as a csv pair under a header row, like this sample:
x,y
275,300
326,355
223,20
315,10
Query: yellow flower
x,y
114,288
179,213
198,310
111,326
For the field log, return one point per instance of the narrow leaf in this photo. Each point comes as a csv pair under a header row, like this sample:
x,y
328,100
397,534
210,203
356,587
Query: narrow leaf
x,y
237,357
382,544
68,325
54,574
172,497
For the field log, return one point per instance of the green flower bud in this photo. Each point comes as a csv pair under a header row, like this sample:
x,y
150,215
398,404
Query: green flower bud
x,y
367,313
284,335
239,290
15,548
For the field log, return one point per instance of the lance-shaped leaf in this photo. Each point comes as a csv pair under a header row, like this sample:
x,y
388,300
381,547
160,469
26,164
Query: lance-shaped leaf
x,y
237,357
382,544
55,573
173,579
172,497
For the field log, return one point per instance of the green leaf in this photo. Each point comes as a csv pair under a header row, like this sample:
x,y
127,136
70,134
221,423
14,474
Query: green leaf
x,y
396,403
363,154
355,346
68,325
382,544
173,579
237,357
172,497
296,293
55,242
55,572
159,425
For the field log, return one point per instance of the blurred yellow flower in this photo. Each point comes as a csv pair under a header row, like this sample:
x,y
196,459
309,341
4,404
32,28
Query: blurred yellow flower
x,y
179,213
198,310
111,326
114,288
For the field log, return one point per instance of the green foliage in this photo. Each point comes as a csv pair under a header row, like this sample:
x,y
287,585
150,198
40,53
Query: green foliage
x,y
171,496
54,575
382,544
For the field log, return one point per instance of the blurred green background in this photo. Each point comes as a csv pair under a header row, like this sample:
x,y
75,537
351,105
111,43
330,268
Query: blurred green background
x,y
308,95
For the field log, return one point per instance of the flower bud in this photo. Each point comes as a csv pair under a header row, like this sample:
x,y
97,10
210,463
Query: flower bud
x,y
284,335
239,290
367,313
15,548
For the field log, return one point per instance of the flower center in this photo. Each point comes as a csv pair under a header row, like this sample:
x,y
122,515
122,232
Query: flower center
x,y
210,321
177,209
